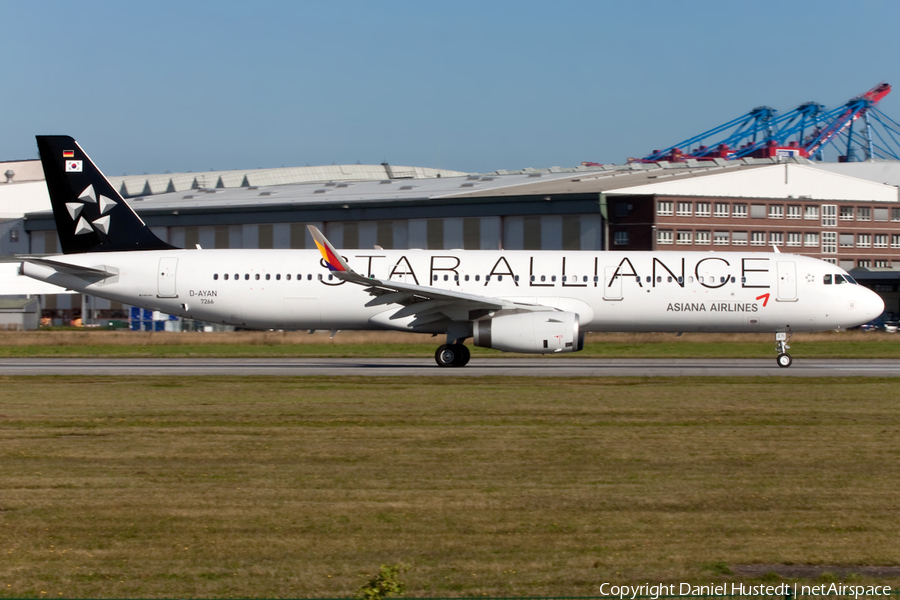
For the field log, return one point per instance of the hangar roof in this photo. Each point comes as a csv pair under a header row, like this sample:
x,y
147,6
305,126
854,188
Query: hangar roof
x,y
750,179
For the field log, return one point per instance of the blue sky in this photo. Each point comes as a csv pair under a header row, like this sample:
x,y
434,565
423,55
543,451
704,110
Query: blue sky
x,y
474,86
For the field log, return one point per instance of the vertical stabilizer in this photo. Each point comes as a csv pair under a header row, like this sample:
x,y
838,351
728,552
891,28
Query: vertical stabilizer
x,y
90,214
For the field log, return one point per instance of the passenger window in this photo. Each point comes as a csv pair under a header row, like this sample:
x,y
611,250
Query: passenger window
x,y
543,278
499,277
732,280
681,280
532,277
669,279
257,276
226,277
246,276
278,277
466,278
456,278
330,277
596,279
288,276
435,277
827,280
478,278
516,278
268,277
216,276
320,277
721,280
659,279
649,279
446,277
553,278
564,278
487,277
585,278
309,277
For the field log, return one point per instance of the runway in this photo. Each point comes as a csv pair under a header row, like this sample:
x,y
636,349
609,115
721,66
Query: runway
x,y
479,367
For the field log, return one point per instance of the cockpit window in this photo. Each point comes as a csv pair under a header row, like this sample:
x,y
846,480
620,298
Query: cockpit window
x,y
851,280
839,279
826,279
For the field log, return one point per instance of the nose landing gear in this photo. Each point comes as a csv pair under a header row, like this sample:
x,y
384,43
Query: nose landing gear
x,y
781,339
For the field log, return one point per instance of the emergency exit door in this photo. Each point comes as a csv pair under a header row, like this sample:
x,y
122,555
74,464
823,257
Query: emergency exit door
x,y
166,279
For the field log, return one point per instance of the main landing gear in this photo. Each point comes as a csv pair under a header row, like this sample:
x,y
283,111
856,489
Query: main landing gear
x,y
452,355
784,359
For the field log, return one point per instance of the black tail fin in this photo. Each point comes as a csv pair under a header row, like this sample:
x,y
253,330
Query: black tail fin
x,y
90,214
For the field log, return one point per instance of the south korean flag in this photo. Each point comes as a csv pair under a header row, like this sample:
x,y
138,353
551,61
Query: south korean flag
x,y
73,166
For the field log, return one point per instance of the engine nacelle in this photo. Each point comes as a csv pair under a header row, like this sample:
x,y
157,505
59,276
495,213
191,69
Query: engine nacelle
x,y
530,333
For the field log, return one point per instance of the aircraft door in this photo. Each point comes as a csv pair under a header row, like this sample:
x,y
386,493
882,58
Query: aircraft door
x,y
787,281
166,280
612,288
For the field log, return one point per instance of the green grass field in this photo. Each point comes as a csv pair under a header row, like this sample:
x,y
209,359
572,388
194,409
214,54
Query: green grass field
x,y
292,487
88,343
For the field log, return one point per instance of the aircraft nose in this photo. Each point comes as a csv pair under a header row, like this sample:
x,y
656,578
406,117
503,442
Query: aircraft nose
x,y
872,304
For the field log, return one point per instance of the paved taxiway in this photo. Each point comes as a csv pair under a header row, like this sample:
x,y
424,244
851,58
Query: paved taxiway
x,y
406,367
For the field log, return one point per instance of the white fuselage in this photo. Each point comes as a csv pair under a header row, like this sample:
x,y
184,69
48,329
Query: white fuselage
x,y
610,291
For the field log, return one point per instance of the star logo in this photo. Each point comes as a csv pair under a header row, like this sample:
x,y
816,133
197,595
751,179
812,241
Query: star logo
x,y
86,198
810,278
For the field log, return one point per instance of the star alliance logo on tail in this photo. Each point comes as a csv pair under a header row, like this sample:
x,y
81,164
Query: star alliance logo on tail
x,y
88,196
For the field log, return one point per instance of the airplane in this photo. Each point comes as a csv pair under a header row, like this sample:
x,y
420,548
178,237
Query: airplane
x,y
540,302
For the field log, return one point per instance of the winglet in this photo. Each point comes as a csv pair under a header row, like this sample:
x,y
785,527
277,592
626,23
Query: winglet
x,y
334,260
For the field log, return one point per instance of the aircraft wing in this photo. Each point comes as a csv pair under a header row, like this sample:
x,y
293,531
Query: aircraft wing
x,y
427,304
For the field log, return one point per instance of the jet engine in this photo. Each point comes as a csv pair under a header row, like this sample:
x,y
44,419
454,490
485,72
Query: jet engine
x,y
530,333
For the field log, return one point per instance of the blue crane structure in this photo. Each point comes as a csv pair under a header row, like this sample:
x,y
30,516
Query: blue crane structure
x,y
805,131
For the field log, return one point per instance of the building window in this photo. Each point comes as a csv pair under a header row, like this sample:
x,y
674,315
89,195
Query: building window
x,y
621,238
776,238
811,240
864,213
846,213
664,208
757,211
721,210
703,238
684,237
882,264
831,261
739,238
758,238
664,237
740,211
865,264
880,214
776,211
702,209
829,215
895,240
14,235
845,240
794,239
685,209
863,240
811,213
881,241
793,212
720,238
895,214
829,242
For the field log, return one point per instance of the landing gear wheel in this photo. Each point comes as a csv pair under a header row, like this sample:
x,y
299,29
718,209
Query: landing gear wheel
x,y
451,355
446,356
784,360
464,355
